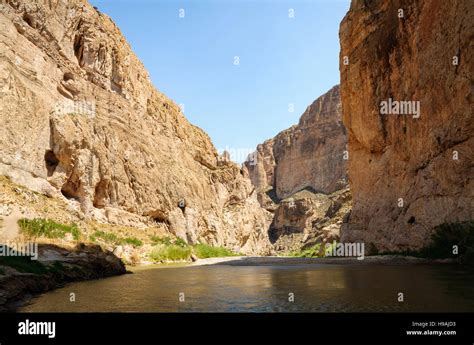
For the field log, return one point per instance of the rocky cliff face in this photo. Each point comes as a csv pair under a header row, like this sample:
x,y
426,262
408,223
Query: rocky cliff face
x,y
307,155
311,154
408,171
261,166
81,120
298,174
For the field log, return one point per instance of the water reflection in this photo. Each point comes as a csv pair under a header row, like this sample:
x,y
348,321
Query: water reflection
x,y
316,288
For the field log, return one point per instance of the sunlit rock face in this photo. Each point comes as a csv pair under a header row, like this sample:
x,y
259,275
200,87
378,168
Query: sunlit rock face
x,y
300,176
81,120
261,166
408,171
309,155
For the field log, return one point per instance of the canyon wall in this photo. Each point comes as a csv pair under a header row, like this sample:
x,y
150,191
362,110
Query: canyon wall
x,y
307,155
311,154
408,171
300,176
81,120
261,165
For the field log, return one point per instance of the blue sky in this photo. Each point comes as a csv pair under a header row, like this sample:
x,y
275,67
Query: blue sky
x,y
282,60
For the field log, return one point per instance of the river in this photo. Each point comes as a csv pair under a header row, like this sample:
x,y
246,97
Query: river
x,y
315,288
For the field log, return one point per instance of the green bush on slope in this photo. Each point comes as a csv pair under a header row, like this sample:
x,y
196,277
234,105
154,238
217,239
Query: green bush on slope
x,y
448,235
47,228
167,249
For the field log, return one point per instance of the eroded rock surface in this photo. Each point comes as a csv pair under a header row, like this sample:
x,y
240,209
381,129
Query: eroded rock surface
x,y
81,119
408,173
300,173
311,154
307,155
307,218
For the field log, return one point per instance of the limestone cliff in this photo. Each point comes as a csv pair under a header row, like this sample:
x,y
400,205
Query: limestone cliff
x,y
409,171
261,165
81,120
311,154
300,176
307,155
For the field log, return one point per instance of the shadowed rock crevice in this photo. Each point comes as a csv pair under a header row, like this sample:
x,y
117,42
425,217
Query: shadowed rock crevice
x,y
70,190
101,194
51,162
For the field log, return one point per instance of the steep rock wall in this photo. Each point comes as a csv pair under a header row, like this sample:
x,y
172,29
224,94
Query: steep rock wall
x,y
307,155
300,176
311,154
408,173
81,117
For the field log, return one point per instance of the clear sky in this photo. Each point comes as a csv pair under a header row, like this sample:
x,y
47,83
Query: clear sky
x,y
283,62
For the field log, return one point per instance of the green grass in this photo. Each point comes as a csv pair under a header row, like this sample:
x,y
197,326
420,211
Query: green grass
x,y
167,249
2,272
312,252
48,228
161,240
203,251
167,241
110,237
170,253
104,236
180,242
133,241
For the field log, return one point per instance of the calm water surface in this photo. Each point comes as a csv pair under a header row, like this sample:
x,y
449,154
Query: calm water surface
x,y
317,288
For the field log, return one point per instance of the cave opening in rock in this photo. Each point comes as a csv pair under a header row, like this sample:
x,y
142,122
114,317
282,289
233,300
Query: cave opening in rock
x,y
158,216
68,76
70,190
67,194
29,19
51,162
161,220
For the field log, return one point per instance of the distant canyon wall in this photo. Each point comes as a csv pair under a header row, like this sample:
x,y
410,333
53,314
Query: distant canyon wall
x,y
80,118
408,172
300,176
307,155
